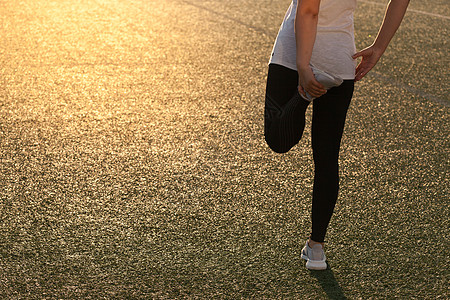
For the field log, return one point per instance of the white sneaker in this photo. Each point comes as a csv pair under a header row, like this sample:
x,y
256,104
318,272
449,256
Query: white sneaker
x,y
315,257
324,78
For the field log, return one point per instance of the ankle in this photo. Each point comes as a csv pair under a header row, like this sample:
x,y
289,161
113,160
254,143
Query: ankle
x,y
311,243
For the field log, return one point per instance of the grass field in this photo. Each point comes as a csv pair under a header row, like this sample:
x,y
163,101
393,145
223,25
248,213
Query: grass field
x,y
133,164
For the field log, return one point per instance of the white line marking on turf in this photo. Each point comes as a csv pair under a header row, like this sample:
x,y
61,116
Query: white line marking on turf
x,y
377,75
255,28
409,88
411,10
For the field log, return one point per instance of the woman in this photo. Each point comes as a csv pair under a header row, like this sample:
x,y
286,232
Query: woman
x,y
318,35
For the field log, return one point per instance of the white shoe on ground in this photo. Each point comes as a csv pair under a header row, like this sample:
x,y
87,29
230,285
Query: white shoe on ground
x,y
315,257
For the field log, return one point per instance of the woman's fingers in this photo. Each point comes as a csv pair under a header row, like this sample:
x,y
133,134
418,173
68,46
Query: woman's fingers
x,y
312,90
363,68
359,54
301,91
359,75
309,84
316,89
316,92
365,52
361,71
317,85
370,57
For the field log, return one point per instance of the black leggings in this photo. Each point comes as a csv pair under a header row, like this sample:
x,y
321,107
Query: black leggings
x,y
329,113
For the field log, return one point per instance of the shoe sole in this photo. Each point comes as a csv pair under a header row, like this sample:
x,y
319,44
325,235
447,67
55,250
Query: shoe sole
x,y
327,80
314,265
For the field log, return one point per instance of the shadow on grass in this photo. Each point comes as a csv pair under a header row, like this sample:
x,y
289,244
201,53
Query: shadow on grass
x,y
329,283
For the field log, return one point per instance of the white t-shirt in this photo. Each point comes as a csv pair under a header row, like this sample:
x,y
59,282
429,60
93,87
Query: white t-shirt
x,y
335,39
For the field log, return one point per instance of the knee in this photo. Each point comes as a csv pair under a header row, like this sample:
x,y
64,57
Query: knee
x,y
276,144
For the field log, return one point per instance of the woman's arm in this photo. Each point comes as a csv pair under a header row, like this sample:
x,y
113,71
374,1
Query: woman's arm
x,y
305,35
394,15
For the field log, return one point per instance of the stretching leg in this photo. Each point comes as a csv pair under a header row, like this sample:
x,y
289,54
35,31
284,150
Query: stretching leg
x,y
284,112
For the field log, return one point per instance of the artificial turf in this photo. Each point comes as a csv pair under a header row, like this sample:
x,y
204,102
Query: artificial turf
x,y
133,163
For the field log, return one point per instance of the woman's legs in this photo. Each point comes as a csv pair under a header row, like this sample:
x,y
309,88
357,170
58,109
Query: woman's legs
x,y
329,113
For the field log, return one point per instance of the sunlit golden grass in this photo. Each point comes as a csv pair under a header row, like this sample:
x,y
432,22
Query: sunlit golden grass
x,y
132,161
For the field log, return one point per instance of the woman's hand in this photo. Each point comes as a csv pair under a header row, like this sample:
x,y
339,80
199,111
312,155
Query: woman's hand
x,y
393,17
370,57
308,83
